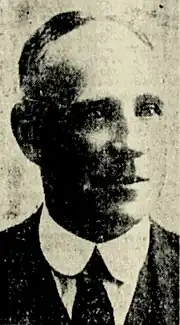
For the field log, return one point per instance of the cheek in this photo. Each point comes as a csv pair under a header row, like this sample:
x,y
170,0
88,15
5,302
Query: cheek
x,y
148,136
98,138
157,153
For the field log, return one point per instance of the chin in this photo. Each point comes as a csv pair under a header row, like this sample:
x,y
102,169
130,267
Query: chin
x,y
141,206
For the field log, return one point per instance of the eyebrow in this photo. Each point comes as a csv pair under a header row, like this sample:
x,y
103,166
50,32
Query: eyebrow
x,y
106,105
149,98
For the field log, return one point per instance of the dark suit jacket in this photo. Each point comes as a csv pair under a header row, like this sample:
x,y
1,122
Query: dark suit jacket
x,y
28,294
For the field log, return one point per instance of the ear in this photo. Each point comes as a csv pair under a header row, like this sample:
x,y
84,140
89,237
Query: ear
x,y
25,129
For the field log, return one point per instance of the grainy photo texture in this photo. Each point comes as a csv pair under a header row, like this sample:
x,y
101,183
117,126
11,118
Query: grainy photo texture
x,y
91,115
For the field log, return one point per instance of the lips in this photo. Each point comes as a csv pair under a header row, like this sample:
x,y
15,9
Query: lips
x,y
116,181
115,169
132,180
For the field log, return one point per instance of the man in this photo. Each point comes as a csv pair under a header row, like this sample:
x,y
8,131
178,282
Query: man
x,y
91,117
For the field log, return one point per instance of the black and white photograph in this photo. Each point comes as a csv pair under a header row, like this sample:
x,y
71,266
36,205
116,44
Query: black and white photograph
x,y
89,162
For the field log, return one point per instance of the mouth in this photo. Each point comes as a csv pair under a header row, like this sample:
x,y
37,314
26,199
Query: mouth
x,y
132,180
121,181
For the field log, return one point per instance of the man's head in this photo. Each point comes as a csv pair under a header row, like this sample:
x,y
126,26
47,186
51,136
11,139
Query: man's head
x,y
91,118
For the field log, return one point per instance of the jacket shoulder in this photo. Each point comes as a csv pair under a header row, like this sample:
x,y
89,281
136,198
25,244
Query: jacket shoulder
x,y
15,238
164,255
164,240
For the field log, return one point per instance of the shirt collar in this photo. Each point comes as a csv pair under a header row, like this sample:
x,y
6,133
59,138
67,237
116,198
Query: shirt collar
x,y
68,254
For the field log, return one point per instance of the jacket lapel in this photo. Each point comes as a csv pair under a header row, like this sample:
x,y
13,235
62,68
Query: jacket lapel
x,y
140,309
33,296
46,306
156,297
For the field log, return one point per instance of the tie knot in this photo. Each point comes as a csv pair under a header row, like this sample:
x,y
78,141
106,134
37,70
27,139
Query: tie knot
x,y
92,304
96,268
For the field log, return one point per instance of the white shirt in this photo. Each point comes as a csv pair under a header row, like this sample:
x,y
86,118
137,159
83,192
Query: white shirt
x,y
68,254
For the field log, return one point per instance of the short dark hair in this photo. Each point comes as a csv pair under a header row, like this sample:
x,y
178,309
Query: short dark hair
x,y
50,31
31,79
57,26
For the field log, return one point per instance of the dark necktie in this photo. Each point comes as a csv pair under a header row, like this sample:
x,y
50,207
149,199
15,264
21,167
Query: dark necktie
x,y
92,305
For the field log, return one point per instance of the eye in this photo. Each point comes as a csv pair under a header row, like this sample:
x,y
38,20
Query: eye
x,y
97,118
97,114
148,109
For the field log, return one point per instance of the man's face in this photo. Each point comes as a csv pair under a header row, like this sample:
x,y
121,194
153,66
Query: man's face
x,y
113,131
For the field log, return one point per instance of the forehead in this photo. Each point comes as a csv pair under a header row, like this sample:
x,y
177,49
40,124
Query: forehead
x,y
112,58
